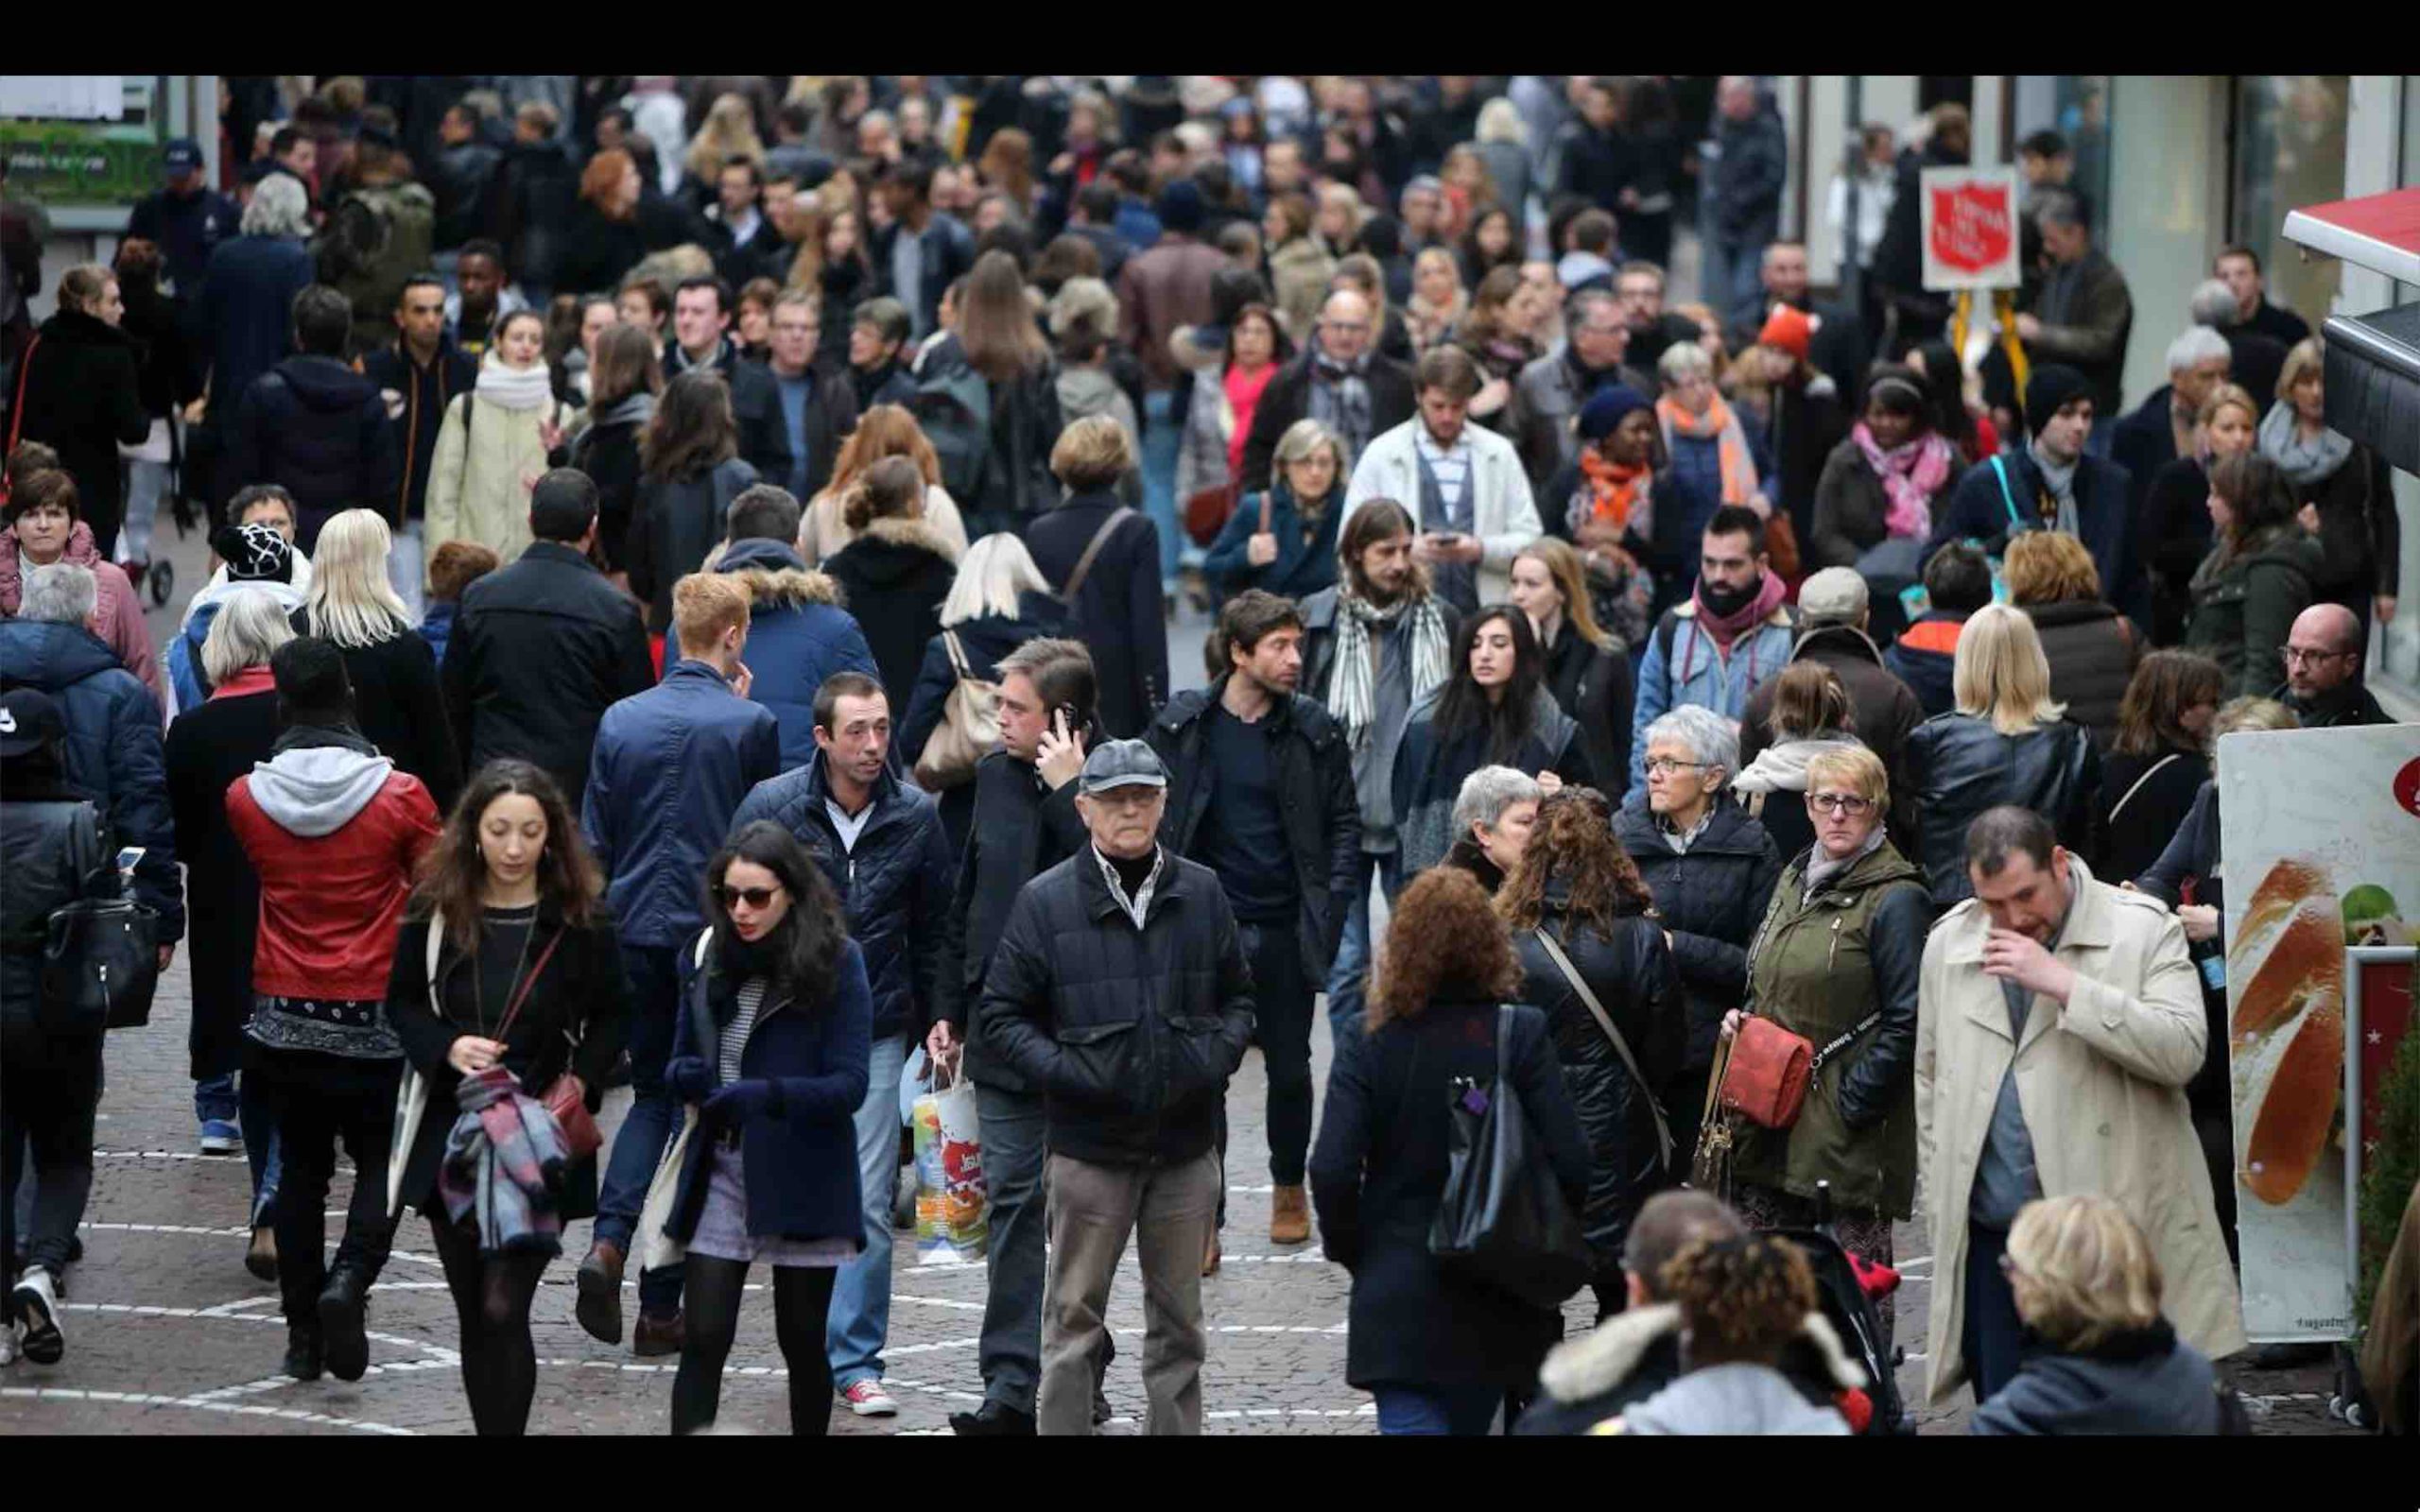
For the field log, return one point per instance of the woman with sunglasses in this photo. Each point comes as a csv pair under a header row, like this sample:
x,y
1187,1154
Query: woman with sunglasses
x,y
528,978
770,1047
1835,963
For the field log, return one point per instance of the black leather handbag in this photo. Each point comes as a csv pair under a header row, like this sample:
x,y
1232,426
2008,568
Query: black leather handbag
x,y
1503,1221
101,962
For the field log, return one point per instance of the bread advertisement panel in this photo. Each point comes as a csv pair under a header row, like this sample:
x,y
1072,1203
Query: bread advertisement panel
x,y
2320,829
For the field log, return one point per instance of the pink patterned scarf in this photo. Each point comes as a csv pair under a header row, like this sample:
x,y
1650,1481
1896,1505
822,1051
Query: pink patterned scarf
x,y
1911,474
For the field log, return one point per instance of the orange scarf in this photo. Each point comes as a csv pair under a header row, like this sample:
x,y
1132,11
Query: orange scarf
x,y
1731,443
1617,489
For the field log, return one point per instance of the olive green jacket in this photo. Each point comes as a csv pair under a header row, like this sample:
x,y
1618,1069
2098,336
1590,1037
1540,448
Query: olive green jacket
x,y
1817,967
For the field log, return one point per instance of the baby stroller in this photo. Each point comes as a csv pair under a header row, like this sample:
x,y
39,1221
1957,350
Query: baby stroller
x,y
1852,1292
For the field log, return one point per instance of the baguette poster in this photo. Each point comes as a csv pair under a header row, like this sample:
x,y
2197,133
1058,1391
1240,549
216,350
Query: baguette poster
x,y
2320,829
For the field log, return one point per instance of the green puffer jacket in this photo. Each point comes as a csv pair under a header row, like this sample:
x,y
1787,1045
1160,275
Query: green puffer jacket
x,y
1819,965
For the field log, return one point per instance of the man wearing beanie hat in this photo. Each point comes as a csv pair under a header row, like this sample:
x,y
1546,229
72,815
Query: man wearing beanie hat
x,y
1832,617
1595,353
2053,484
257,557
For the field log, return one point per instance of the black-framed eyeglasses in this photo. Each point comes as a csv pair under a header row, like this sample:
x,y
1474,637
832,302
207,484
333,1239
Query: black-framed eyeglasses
x,y
753,896
1855,805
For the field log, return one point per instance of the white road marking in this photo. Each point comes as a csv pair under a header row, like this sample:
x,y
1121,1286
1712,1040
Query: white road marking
x,y
211,1403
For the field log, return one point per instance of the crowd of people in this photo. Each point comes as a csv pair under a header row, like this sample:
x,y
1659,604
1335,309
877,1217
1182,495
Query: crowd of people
x,y
692,567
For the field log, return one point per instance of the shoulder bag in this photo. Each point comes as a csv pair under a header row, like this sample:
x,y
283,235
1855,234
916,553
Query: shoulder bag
x,y
1502,1221
2149,772
969,729
657,1249
101,959
1092,552
1768,1069
1621,1047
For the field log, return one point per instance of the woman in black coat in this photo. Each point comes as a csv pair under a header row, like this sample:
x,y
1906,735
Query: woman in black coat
x,y
1118,607
2344,488
1439,1352
208,747
999,603
81,382
1573,883
526,976
2174,523
997,343
1587,670
624,375
168,380
2149,776
895,574
602,238
395,691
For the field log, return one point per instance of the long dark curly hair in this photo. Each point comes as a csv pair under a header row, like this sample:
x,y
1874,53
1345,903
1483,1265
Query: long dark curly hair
x,y
1464,706
1443,943
807,943
453,874
1574,843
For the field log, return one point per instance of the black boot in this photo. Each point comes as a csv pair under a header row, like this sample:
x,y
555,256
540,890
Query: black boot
x,y
993,1420
304,1353
342,1303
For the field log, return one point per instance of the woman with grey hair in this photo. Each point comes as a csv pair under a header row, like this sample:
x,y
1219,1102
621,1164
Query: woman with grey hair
x,y
1492,816
245,304
1284,538
1084,324
210,745
1711,869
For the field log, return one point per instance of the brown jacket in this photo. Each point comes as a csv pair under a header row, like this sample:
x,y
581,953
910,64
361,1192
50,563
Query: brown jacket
x,y
1160,290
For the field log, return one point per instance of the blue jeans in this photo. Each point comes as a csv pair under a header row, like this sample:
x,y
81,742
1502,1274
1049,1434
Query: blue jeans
x,y
262,1148
1463,1412
1162,438
861,1316
638,1145
1346,978
214,1100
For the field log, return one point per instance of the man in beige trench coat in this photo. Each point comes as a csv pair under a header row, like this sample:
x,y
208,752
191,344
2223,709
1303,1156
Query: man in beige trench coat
x,y
2059,1021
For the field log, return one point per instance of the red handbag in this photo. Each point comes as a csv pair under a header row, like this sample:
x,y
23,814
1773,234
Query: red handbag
x,y
1764,1079
1207,512
567,1096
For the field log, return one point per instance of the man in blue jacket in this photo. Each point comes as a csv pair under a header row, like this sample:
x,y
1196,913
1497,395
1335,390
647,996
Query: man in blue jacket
x,y
801,634
1714,647
670,766
2052,483
880,843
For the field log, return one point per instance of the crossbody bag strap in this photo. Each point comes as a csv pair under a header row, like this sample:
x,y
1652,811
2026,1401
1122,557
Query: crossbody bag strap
x,y
1621,1047
17,408
1999,470
1092,550
1825,1054
2149,773
528,980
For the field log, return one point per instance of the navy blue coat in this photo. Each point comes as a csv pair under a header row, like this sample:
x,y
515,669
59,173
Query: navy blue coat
x,y
985,640
801,1154
1299,571
895,885
2105,520
318,430
113,753
798,635
672,764
242,316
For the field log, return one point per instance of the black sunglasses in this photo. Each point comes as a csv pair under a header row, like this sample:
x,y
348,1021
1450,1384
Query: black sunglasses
x,y
753,897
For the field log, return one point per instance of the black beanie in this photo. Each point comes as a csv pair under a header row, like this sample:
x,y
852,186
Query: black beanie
x,y
2048,389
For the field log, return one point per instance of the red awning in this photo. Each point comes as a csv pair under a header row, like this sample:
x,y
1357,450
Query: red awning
x,y
2380,232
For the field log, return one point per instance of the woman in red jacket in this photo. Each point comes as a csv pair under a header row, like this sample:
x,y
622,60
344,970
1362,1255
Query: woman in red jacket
x,y
335,834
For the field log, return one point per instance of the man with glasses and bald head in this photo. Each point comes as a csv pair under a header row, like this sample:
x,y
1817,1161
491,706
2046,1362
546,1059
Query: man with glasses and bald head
x,y
2323,671
1340,380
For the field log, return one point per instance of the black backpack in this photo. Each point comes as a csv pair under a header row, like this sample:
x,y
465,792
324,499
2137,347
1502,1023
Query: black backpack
x,y
954,408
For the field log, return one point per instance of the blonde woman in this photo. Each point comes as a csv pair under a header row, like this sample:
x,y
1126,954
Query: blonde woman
x,y
497,439
886,430
1503,145
2088,1287
2006,742
998,602
1587,668
729,132
2091,648
1437,301
394,675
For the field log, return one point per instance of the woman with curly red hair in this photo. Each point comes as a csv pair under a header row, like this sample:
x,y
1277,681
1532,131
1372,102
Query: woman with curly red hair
x,y
1440,1354
1593,957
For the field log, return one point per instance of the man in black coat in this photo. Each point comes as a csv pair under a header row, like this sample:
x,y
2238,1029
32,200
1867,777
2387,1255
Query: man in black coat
x,y
1260,791
816,390
543,647
417,377
1340,379
531,199
2239,265
700,317
316,428
186,217
1120,987
880,845
1832,616
1025,823
1837,348
2146,438
459,174
2323,686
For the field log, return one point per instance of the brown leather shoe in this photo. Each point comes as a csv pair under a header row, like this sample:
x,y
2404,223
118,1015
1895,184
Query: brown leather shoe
x,y
1210,1256
659,1336
1289,1217
261,1259
599,1303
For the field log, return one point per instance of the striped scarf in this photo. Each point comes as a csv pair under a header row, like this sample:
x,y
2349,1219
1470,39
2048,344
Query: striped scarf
x,y
1352,684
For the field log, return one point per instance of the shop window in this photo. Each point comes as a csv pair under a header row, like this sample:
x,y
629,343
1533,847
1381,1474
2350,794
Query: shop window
x,y
2289,152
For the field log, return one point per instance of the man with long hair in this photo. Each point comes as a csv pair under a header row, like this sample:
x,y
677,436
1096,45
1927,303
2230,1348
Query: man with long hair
x,y
1373,646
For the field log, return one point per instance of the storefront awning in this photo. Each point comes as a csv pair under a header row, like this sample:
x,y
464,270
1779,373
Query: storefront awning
x,y
2373,360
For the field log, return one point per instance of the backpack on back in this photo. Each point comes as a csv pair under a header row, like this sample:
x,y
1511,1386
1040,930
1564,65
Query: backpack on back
x,y
376,240
954,408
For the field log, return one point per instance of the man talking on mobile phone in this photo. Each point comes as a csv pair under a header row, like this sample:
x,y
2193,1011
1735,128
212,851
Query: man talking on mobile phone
x,y
1025,822
1476,513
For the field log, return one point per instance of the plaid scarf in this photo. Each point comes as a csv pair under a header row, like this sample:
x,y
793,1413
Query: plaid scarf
x,y
503,1159
1353,684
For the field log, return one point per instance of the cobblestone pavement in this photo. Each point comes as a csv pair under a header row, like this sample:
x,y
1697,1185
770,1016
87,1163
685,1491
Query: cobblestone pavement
x,y
166,1333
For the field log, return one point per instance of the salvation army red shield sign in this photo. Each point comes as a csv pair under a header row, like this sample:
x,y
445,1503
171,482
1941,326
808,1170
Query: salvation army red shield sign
x,y
1970,232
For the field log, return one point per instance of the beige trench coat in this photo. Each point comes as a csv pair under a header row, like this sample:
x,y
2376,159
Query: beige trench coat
x,y
2102,1081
